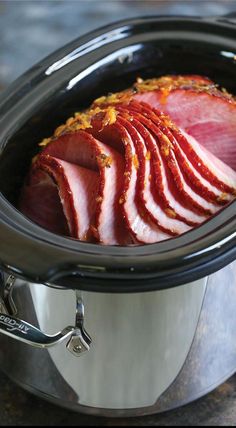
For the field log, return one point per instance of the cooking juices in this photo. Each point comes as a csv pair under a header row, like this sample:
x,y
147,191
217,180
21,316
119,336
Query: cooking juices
x,y
138,167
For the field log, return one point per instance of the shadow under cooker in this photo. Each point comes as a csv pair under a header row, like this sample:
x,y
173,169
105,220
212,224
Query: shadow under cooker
x,y
104,61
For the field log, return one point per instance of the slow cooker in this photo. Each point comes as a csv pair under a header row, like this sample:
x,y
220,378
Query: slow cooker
x,y
116,331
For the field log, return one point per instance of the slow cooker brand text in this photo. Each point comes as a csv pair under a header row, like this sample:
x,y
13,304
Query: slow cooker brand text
x,y
13,325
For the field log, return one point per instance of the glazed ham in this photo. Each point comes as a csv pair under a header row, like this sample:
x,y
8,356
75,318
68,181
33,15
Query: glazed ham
x,y
141,166
199,108
100,191
142,229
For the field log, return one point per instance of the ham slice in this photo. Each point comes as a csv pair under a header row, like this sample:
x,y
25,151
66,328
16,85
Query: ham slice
x,y
40,202
83,149
207,164
76,186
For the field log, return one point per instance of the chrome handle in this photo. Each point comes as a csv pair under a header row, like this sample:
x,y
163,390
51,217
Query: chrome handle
x,y
79,340
27,333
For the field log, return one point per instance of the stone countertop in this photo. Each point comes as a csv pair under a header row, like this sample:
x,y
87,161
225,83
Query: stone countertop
x,y
30,30
23,409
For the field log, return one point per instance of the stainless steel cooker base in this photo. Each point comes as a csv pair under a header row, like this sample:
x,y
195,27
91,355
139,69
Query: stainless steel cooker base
x,y
185,348
113,413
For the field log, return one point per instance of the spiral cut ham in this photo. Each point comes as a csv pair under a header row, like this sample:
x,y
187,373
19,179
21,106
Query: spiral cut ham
x,y
138,167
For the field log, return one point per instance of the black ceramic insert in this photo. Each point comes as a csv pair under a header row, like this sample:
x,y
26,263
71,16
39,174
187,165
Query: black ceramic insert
x,y
108,60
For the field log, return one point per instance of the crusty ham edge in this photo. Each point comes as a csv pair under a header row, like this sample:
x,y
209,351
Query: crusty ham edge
x,y
77,189
142,229
163,86
83,149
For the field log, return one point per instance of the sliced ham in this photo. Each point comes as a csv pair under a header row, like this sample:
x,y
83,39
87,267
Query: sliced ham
x,y
140,226
191,199
83,149
140,166
40,202
77,189
161,183
207,164
185,151
207,115
150,202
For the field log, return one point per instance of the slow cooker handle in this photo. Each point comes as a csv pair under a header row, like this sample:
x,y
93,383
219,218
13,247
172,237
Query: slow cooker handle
x,y
79,341
25,332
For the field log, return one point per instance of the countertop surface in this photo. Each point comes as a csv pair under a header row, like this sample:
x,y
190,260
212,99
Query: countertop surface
x,y
18,407
30,30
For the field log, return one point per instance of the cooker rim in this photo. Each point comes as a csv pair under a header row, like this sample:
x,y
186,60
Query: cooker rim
x,y
106,268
